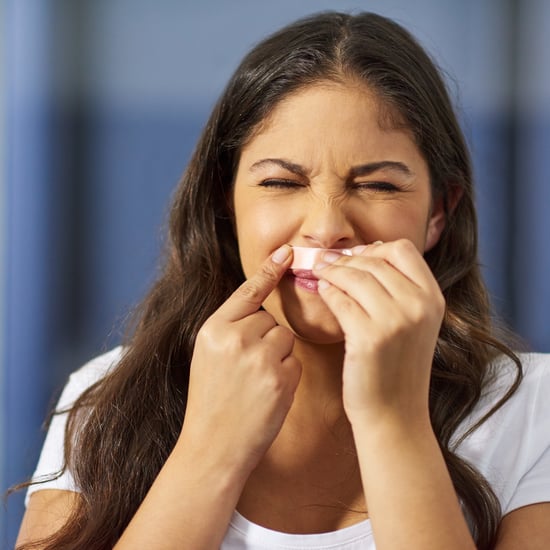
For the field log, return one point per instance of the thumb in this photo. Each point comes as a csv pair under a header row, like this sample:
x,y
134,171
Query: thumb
x,y
248,298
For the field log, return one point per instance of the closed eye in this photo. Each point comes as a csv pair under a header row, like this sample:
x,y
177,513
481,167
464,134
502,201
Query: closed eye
x,y
377,187
276,183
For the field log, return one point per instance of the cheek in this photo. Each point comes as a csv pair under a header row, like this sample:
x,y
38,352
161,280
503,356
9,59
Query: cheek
x,y
412,228
260,232
409,223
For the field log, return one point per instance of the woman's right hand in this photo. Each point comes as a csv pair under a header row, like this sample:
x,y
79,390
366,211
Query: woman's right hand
x,y
243,375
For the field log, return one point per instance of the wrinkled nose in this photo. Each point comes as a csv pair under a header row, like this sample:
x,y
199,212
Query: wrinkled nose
x,y
327,224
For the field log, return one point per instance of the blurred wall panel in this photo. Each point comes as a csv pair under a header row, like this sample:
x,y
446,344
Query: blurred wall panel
x,y
531,262
3,185
485,101
32,210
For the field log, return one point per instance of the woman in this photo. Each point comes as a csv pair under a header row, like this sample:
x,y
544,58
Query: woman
x,y
364,399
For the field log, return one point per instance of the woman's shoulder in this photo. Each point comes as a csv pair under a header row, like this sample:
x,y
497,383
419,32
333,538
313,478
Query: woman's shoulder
x,y
88,374
533,374
50,472
511,447
497,416
503,371
532,362
99,365
536,370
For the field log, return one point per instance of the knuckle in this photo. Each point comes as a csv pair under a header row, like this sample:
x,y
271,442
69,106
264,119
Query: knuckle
x,y
376,266
426,309
266,317
284,338
404,247
258,358
440,301
293,369
418,308
277,333
208,330
343,260
381,339
268,273
249,291
253,289
440,305
293,364
235,342
345,305
356,275
418,313
397,323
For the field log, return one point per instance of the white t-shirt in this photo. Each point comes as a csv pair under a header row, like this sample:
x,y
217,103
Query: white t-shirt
x,y
511,449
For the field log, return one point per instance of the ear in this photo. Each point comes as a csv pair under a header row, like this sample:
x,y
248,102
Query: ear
x,y
442,207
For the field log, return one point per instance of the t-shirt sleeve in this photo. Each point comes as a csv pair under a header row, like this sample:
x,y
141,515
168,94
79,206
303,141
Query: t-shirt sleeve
x,y
534,485
48,473
511,449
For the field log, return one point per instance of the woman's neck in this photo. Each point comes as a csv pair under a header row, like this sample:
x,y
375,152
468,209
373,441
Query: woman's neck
x,y
319,393
309,479
316,423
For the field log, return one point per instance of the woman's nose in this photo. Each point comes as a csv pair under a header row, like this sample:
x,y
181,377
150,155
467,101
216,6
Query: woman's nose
x,y
326,224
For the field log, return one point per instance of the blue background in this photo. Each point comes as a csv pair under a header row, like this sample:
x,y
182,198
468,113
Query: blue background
x,y
100,105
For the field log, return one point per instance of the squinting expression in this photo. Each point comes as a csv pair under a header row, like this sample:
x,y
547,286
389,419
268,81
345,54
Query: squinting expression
x,y
323,172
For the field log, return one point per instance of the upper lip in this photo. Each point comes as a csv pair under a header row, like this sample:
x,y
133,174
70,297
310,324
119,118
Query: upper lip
x,y
302,273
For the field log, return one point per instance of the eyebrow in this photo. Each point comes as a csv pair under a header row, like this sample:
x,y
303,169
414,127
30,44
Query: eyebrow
x,y
355,171
371,167
287,165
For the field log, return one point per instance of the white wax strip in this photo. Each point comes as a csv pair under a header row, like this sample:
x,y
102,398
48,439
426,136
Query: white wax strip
x,y
306,257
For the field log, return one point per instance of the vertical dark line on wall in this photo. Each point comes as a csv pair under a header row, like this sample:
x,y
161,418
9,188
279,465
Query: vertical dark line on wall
x,y
72,155
81,131
512,141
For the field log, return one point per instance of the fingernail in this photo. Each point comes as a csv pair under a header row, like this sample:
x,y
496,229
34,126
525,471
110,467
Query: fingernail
x,y
281,254
319,265
358,250
330,257
377,242
322,284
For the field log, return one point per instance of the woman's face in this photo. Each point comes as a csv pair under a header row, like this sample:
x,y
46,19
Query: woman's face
x,y
323,172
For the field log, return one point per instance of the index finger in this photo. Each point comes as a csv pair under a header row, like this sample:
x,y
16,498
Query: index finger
x,y
248,298
406,258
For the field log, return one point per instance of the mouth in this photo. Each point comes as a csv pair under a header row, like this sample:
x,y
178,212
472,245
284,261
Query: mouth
x,y
304,279
302,273
301,269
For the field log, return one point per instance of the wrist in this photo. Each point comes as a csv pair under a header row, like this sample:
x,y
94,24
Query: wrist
x,y
211,465
390,426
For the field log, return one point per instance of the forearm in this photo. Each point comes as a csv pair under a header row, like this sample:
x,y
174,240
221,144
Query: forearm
x,y
411,500
190,503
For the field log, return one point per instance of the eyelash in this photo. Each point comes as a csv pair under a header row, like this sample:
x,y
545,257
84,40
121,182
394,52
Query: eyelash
x,y
374,186
280,184
377,187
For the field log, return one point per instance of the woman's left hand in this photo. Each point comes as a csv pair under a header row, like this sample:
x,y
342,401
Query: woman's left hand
x,y
390,309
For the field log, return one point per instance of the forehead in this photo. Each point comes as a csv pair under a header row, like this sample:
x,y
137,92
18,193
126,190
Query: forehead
x,y
342,93
346,119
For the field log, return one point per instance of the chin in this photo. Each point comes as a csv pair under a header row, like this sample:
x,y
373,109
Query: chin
x,y
320,340
322,329
315,332
309,319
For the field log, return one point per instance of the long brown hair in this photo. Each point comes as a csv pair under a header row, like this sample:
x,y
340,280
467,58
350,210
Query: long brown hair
x,y
121,430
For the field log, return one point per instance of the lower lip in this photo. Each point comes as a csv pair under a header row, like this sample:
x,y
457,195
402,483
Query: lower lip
x,y
310,285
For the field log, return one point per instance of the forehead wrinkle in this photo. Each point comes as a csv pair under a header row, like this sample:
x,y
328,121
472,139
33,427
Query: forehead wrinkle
x,y
328,192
